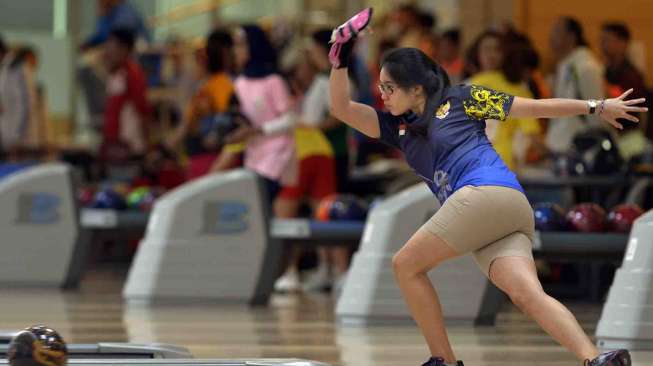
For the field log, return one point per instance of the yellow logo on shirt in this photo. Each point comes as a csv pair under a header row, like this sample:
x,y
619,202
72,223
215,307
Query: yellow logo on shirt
x,y
443,110
486,104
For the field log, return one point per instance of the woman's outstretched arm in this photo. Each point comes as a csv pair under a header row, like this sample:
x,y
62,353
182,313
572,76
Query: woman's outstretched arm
x,y
359,116
609,109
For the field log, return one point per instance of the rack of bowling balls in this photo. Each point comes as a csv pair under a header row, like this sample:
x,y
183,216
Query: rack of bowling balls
x,y
593,239
114,216
119,197
586,217
122,197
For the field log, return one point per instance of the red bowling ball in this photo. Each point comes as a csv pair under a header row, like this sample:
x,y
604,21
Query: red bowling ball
x,y
586,217
622,217
85,196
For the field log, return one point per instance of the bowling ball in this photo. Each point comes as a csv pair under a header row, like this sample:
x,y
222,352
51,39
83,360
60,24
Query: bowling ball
x,y
622,217
148,200
568,165
598,150
107,198
136,196
549,217
341,207
85,196
37,346
217,126
121,188
586,217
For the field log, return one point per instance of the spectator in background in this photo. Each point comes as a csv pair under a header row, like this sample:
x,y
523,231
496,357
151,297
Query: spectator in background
x,y
410,26
316,172
510,78
484,54
37,133
578,76
535,81
3,53
621,75
363,92
429,41
15,100
265,101
369,149
112,14
215,96
115,14
403,26
127,111
449,55
383,47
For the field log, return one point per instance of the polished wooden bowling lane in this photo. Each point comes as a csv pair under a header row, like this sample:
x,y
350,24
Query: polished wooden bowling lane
x,y
298,326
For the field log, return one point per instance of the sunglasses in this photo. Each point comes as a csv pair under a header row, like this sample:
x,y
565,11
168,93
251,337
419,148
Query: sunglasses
x,y
386,88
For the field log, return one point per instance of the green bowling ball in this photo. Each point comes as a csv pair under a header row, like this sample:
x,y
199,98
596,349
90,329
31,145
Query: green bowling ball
x,y
137,196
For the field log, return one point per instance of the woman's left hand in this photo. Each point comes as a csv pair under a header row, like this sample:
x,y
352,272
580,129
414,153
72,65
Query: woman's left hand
x,y
621,107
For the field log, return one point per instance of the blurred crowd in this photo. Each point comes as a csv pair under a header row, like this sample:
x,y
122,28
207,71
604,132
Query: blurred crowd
x,y
257,96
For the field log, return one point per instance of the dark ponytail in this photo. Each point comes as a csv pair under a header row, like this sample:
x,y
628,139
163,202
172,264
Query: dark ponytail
x,y
410,67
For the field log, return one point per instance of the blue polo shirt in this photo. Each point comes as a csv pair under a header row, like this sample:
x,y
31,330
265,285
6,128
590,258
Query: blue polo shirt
x,y
456,151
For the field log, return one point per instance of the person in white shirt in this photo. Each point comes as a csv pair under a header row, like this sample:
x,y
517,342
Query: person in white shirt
x,y
579,75
14,101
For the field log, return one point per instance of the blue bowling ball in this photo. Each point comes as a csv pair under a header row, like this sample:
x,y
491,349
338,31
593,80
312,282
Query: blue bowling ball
x,y
549,217
218,126
342,207
109,199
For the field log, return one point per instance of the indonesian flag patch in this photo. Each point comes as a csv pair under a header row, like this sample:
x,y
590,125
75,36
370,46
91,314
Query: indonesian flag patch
x,y
402,129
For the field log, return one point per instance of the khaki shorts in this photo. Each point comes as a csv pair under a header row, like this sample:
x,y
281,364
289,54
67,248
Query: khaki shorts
x,y
488,221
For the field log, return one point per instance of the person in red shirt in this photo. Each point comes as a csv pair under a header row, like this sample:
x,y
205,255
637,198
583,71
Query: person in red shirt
x,y
620,72
127,110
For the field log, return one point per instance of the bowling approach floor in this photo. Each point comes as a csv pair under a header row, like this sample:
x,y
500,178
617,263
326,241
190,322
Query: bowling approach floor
x,y
298,326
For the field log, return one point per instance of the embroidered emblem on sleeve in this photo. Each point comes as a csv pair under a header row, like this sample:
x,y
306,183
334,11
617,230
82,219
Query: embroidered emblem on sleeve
x,y
443,110
486,104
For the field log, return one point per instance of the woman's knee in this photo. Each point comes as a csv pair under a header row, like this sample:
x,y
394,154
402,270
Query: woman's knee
x,y
422,252
407,262
526,295
517,277
404,264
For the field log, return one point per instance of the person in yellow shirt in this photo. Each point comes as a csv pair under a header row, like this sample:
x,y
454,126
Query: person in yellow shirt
x,y
509,78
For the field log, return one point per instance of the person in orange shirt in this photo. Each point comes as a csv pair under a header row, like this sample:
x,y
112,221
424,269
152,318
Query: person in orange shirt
x,y
216,96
